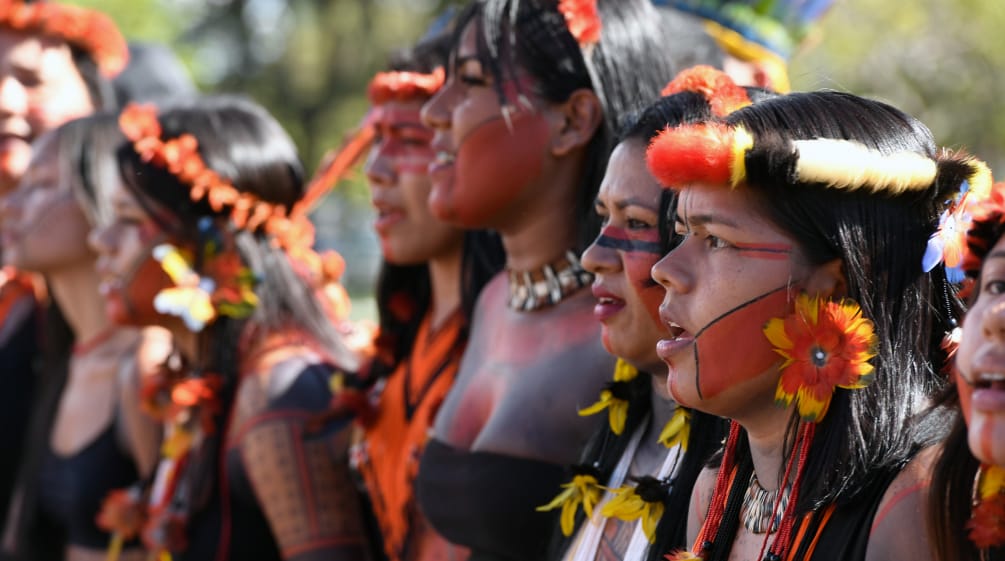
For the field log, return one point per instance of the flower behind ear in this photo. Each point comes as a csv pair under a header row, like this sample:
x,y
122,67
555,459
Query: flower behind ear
x,y
826,345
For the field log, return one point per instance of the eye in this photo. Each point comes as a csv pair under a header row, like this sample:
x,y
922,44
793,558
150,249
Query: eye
x,y
472,80
714,242
994,287
636,224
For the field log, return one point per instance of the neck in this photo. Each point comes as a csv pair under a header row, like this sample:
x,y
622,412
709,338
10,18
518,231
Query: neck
x,y
75,291
766,433
547,225
651,453
445,281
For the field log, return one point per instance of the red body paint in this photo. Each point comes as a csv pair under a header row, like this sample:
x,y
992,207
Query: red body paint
x,y
733,348
770,251
493,166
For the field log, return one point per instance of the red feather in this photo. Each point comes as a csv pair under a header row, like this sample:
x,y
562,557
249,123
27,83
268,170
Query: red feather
x,y
583,20
335,164
718,88
689,154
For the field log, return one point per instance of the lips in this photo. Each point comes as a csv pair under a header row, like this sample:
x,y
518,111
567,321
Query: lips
x,y
608,304
678,339
387,217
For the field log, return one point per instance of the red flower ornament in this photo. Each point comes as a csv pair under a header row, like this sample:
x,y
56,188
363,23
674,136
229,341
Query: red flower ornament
x,y
987,521
826,345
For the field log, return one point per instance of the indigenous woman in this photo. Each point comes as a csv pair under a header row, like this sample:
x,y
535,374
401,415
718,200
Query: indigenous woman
x,y
805,221
431,274
55,63
638,453
209,242
88,434
523,129
967,505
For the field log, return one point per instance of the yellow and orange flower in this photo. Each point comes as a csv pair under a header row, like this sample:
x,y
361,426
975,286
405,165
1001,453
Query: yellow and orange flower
x,y
825,344
582,490
987,522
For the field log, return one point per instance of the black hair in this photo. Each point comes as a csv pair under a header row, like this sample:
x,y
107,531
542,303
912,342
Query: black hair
x,y
640,49
880,240
955,470
604,448
404,291
241,142
154,75
99,88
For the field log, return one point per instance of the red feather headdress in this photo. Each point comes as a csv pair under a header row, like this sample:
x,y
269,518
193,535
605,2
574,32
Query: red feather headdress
x,y
89,30
583,20
404,86
718,88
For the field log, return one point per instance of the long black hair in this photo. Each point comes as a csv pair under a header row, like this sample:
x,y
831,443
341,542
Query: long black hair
x,y
636,56
880,240
605,448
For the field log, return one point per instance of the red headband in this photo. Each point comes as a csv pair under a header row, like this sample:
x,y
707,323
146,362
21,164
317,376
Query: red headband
x,y
404,86
89,30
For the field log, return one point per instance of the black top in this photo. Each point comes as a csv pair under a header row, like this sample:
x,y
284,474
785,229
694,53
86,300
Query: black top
x,y
247,535
487,501
72,489
18,380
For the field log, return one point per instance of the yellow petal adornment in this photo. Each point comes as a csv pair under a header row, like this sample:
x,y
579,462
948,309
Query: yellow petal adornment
x,y
583,489
683,555
651,518
624,372
677,430
177,444
628,505
742,142
992,481
617,410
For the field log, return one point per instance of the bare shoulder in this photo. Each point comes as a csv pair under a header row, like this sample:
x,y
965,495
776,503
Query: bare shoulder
x,y
898,529
701,496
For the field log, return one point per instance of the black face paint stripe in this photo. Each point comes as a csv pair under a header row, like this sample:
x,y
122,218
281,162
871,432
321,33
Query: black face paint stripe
x,y
622,244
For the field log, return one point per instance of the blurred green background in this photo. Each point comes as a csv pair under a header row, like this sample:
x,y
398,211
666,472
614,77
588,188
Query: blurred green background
x,y
309,61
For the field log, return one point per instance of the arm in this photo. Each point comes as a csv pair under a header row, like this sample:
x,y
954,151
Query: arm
x,y
304,489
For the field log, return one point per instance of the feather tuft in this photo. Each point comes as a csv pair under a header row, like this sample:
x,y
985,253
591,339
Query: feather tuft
x,y
690,154
846,164
722,93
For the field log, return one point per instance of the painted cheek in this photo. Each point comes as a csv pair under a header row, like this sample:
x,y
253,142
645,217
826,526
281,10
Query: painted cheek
x,y
493,166
733,348
640,250
138,292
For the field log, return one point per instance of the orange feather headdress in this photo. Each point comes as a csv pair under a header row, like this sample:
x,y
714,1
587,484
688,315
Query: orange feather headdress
x,y
89,30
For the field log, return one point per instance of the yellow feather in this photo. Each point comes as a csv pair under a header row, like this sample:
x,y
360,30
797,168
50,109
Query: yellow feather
x,y
846,164
742,142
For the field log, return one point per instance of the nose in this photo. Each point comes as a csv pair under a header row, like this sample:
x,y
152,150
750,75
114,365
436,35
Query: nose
x,y
993,322
378,169
13,97
672,272
436,112
599,259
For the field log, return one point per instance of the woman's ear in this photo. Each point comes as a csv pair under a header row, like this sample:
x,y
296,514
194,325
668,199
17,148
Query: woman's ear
x,y
579,117
828,280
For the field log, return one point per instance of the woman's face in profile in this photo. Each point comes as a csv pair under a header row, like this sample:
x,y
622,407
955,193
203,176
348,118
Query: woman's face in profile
x,y
44,227
130,276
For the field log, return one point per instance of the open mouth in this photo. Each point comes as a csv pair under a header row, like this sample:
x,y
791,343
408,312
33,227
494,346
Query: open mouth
x,y
676,331
989,381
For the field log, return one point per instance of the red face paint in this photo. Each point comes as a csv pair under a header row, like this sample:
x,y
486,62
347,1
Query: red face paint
x,y
640,250
493,166
770,251
733,348
404,140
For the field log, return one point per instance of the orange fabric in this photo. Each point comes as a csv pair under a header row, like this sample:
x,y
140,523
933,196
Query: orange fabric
x,y
394,440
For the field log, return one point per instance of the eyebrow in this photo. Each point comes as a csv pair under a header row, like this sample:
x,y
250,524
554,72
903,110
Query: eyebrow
x,y
625,203
704,220
996,254
462,60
